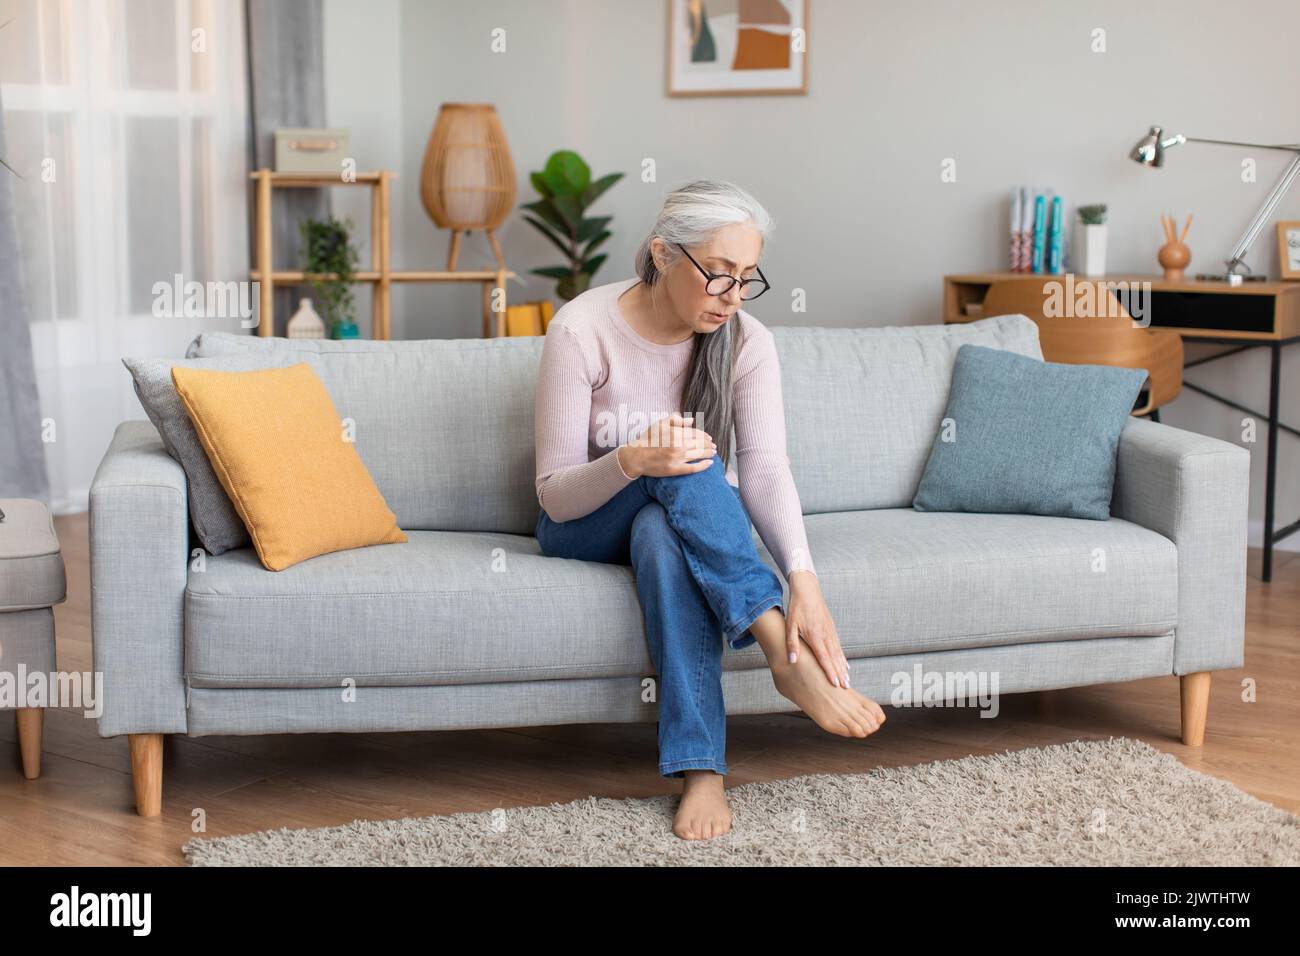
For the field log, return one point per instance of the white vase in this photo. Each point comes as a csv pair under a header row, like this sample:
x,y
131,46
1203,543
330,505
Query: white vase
x,y
305,324
1091,249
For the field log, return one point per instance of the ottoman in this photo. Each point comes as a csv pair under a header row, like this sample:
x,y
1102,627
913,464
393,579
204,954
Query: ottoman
x,y
31,582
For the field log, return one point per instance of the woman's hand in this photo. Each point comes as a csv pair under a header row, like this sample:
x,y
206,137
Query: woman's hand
x,y
670,446
810,619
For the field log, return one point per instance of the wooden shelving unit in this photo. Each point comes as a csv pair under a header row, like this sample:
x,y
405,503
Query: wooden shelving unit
x,y
380,275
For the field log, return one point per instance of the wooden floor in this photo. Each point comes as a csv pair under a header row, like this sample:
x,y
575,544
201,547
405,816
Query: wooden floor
x,y
80,811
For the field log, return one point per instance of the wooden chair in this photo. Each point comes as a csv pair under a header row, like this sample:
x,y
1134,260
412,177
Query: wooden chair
x,y
1108,337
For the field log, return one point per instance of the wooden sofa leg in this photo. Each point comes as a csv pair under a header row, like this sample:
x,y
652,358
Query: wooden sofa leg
x,y
1195,692
30,721
146,773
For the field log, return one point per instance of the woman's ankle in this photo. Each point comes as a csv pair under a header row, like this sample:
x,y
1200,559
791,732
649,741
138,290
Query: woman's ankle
x,y
769,633
701,778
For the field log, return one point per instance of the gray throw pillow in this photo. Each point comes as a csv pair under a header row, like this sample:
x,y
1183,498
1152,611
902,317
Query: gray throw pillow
x,y
1028,437
215,520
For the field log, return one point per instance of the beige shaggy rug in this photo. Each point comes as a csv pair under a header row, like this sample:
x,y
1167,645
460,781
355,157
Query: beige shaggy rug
x,y
1115,802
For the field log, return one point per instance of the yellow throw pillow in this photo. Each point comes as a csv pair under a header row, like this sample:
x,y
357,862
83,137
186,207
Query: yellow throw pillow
x,y
278,447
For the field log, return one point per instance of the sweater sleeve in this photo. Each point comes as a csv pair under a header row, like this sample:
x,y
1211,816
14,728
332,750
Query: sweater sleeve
x,y
762,466
568,484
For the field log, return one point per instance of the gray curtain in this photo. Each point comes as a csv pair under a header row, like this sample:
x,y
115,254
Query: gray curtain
x,y
286,84
22,455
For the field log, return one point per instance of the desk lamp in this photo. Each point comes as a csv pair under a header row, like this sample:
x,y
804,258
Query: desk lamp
x,y
1150,151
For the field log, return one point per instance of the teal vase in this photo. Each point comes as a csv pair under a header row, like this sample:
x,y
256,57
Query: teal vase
x,y
345,330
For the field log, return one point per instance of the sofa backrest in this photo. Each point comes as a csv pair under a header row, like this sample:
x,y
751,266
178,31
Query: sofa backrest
x,y
863,405
445,426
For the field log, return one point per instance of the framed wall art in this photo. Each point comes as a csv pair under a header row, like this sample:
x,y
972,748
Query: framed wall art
x,y
737,47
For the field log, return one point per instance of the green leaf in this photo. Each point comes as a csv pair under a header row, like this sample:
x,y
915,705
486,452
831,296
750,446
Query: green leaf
x,y
555,272
597,189
591,265
567,174
595,242
570,210
546,231
589,227
539,183
545,210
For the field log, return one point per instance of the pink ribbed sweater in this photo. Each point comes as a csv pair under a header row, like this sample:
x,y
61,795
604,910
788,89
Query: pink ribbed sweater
x,y
601,384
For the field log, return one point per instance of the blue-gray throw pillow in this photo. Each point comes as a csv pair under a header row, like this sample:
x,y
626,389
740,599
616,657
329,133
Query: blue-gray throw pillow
x,y
1028,437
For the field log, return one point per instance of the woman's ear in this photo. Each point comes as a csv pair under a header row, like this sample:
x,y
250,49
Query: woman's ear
x,y
659,251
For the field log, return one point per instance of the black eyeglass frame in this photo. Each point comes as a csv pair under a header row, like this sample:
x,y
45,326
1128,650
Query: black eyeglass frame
x,y
710,276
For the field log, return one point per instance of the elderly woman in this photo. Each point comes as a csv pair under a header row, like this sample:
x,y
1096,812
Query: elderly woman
x,y
631,357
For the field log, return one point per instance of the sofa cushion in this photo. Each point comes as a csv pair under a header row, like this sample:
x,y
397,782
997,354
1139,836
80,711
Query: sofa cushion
x,y
448,607
459,607
445,426
1028,437
898,580
862,406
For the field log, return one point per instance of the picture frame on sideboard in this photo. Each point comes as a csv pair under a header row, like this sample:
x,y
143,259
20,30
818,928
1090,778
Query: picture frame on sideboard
x,y
1288,250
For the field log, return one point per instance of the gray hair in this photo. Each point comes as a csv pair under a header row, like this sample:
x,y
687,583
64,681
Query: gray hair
x,y
691,215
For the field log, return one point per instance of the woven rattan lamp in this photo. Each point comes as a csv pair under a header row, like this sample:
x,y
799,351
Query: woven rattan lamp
x,y
468,179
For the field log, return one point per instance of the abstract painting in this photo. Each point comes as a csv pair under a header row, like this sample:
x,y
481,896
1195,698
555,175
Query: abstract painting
x,y
737,47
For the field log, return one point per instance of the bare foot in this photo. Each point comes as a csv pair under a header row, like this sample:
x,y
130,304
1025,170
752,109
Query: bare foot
x,y
838,710
704,813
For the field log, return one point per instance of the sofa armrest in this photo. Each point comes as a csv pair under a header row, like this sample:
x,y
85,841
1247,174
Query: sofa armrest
x,y
139,551
1195,491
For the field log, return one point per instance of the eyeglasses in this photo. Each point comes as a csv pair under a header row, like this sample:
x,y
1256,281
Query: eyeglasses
x,y
719,283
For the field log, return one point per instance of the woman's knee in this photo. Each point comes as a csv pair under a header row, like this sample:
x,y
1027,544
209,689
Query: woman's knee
x,y
650,529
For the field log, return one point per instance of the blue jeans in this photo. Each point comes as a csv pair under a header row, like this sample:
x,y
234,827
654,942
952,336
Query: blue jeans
x,y
699,578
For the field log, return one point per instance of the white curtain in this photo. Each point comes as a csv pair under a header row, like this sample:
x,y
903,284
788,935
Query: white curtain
x,y
127,122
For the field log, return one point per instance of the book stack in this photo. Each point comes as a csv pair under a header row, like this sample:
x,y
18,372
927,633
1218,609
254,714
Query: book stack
x,y
1037,231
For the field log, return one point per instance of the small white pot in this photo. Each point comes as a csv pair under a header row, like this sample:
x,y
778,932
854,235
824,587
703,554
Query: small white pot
x,y
1092,250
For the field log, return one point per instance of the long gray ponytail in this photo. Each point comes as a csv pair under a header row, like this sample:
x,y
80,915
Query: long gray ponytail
x,y
690,215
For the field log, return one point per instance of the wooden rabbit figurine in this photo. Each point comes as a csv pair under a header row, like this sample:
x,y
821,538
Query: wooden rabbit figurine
x,y
1174,254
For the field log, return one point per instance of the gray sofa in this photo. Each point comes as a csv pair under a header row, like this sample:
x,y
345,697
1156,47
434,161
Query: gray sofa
x,y
468,626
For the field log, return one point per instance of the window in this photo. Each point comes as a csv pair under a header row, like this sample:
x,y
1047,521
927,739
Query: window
x,y
127,121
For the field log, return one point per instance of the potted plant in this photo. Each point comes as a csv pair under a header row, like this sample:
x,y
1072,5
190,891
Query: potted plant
x,y
567,190
1092,239
330,262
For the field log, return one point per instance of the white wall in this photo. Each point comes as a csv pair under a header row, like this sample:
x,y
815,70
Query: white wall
x,y
1009,89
